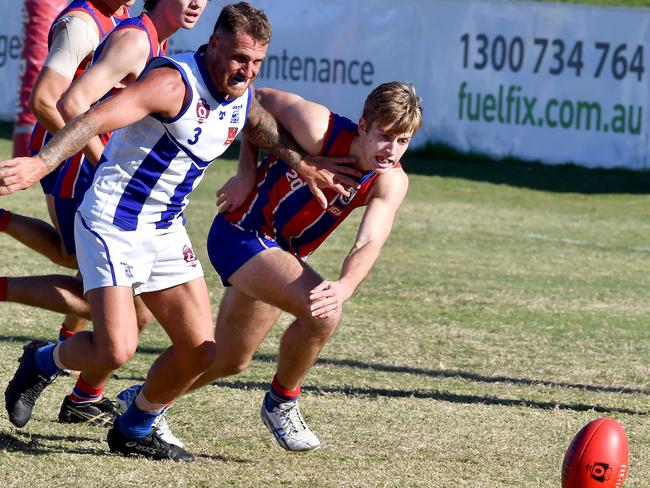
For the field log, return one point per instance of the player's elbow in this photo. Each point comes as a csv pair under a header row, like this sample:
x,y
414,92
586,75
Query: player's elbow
x,y
40,104
70,106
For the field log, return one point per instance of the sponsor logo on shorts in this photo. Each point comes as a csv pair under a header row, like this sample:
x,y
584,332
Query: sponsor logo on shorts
x,y
189,256
128,270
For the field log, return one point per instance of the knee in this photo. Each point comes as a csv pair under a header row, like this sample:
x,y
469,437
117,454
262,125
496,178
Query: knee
x,y
144,318
228,366
322,329
200,358
115,358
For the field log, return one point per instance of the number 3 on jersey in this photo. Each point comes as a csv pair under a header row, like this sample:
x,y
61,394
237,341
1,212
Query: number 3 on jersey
x,y
197,133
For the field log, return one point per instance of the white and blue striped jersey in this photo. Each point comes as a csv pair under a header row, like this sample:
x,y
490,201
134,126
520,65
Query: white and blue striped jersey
x,y
148,169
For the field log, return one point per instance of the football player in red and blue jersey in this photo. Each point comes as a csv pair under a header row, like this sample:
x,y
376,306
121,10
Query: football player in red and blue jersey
x,y
259,246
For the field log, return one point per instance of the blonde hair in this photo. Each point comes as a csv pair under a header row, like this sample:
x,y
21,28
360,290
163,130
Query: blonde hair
x,y
396,106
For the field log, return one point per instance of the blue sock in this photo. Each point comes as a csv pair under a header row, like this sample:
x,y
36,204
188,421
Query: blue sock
x,y
44,360
136,424
273,399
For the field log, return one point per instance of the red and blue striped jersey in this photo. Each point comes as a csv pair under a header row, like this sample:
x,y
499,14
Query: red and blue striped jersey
x,y
74,178
282,206
104,18
143,23
105,21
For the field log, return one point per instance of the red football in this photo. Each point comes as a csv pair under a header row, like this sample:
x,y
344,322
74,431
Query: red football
x,y
597,456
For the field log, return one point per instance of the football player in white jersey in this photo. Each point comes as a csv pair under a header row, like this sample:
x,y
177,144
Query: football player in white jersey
x,y
118,60
129,230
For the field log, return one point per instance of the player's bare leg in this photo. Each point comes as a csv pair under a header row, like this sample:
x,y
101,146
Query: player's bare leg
x,y
39,235
280,279
184,312
58,293
242,324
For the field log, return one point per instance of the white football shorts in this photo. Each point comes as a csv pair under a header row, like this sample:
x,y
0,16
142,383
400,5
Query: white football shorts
x,y
145,260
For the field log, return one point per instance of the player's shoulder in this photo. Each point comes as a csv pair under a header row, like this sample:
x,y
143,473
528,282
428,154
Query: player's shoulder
x,y
391,185
126,47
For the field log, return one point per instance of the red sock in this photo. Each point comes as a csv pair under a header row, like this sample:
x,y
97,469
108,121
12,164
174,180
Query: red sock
x,y
65,333
5,216
283,392
83,392
3,288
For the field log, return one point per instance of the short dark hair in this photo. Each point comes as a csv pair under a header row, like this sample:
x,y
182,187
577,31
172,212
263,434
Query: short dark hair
x,y
149,5
244,17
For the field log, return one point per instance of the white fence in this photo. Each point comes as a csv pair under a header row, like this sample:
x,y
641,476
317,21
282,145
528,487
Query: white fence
x,y
540,81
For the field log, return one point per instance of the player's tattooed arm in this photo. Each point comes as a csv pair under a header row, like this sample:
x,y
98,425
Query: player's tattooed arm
x,y
264,131
20,173
68,141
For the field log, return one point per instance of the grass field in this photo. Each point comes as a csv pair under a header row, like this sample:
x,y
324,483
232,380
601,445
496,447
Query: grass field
x,y
508,309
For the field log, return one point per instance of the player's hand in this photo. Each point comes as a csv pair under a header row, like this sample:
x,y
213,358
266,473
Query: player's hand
x,y
20,173
233,193
327,299
326,172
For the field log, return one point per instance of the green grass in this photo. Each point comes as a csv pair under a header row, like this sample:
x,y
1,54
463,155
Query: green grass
x,y
508,309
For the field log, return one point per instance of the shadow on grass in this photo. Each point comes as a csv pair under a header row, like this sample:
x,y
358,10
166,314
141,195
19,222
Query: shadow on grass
x,y
438,395
424,394
38,444
389,368
439,160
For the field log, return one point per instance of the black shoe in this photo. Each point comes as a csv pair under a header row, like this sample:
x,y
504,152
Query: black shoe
x,y
26,386
152,446
101,413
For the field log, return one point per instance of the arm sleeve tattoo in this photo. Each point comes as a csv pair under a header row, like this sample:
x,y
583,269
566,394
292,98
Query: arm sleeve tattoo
x,y
264,131
68,141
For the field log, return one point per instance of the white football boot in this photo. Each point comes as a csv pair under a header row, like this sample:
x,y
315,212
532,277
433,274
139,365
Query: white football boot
x,y
160,425
289,427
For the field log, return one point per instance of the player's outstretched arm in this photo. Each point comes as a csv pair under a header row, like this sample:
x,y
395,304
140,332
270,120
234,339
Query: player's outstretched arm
x,y
130,105
318,172
327,298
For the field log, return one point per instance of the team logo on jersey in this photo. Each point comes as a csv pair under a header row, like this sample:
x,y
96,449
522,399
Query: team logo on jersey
x,y
222,114
234,119
189,256
202,110
232,133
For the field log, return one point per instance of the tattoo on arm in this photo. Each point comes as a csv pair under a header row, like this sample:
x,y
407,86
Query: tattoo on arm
x,y
265,132
68,141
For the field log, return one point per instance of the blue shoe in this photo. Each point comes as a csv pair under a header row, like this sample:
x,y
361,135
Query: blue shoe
x,y
26,386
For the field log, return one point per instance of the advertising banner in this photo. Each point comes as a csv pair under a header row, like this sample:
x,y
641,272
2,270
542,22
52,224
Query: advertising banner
x,y
549,82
